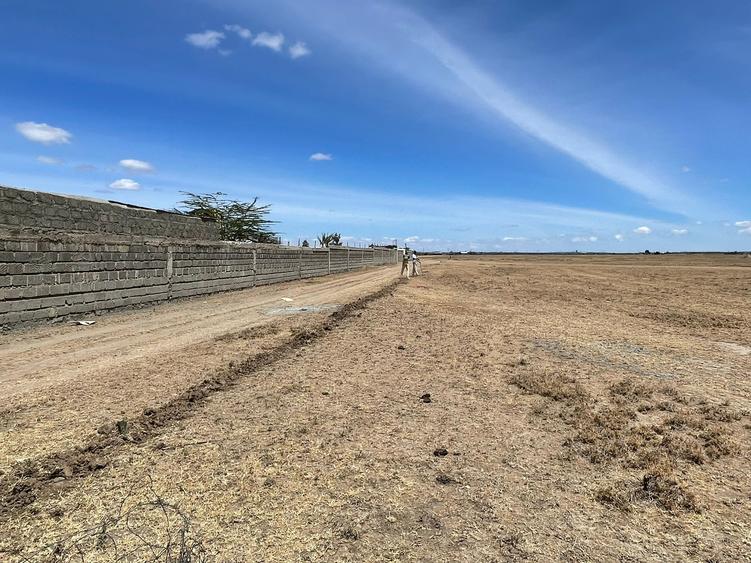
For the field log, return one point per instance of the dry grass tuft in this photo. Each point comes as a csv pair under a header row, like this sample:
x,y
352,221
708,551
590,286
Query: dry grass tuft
x,y
661,486
630,391
608,431
553,386
617,496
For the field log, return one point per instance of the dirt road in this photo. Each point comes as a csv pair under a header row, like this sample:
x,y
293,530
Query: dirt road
x,y
58,383
494,409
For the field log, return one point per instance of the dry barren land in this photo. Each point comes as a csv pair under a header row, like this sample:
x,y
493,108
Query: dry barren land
x,y
556,408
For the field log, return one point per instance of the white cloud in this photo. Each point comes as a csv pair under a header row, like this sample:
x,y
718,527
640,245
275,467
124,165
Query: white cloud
x,y
43,133
746,231
321,156
404,43
271,41
510,239
134,165
49,160
685,169
745,227
680,231
298,50
642,230
241,31
619,237
208,39
125,184
584,239
411,239
578,145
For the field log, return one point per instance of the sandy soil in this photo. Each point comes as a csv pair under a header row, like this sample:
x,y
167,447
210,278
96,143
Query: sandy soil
x,y
579,409
59,383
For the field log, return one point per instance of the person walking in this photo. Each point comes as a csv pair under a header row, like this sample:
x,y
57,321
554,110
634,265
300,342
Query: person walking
x,y
415,263
405,263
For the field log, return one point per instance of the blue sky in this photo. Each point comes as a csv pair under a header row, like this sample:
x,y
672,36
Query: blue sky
x,y
487,125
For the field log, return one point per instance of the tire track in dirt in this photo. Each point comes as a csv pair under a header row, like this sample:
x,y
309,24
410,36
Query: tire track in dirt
x,y
34,479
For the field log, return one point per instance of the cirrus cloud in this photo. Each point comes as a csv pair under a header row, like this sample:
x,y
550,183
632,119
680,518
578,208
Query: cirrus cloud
x,y
125,184
50,160
43,133
134,165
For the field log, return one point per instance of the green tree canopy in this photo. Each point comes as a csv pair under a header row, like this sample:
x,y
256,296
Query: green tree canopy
x,y
238,220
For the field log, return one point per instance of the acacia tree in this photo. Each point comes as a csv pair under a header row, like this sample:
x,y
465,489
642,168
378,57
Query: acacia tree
x,y
237,220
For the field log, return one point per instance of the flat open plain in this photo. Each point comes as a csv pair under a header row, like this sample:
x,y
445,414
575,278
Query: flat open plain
x,y
580,408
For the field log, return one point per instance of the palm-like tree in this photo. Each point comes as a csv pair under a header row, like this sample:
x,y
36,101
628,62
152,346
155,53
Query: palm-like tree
x,y
329,239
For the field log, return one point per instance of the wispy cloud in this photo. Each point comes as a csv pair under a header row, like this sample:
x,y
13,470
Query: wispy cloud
x,y
512,239
43,133
140,166
499,99
584,239
619,237
679,232
49,160
685,169
208,39
406,44
321,157
125,184
643,230
299,50
745,227
273,41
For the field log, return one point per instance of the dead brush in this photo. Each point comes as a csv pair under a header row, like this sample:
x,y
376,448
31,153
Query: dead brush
x,y
144,527
611,432
554,386
661,486
619,495
720,413
630,391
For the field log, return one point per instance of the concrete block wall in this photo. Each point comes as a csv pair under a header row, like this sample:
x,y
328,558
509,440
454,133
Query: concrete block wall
x,y
27,210
44,278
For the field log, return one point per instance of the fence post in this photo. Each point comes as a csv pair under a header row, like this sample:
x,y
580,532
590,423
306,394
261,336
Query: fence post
x,y
348,258
169,270
254,267
328,252
299,264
